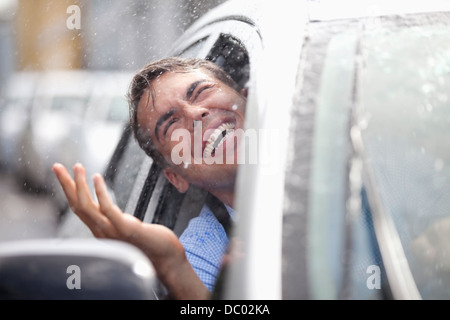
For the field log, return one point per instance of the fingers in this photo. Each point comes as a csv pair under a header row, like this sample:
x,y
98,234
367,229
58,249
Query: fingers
x,y
81,202
86,208
107,207
67,184
127,226
76,191
82,187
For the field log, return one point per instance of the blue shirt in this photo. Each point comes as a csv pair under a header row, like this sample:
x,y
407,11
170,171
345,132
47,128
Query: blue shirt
x,y
205,242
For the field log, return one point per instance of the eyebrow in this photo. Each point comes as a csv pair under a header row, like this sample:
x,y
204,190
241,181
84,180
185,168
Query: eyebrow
x,y
162,119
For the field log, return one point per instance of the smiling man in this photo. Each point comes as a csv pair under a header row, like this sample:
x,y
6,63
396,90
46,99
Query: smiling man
x,y
169,96
188,95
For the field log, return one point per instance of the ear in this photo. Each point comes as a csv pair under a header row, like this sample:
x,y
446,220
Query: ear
x,y
244,92
178,181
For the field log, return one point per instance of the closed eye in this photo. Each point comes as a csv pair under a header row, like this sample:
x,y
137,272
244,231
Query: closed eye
x,y
203,88
169,123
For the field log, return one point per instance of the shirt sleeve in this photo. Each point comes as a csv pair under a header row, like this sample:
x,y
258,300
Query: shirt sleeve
x,y
205,243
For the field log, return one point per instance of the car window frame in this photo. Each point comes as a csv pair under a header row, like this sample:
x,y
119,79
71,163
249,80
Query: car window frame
x,y
145,205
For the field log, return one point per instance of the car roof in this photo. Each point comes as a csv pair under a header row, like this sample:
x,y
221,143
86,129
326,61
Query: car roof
x,y
247,11
344,9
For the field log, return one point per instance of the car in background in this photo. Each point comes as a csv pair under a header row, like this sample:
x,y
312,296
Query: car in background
x,y
76,116
15,109
349,197
53,132
107,114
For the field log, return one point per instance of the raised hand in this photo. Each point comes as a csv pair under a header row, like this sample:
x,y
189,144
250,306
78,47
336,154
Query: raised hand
x,y
106,220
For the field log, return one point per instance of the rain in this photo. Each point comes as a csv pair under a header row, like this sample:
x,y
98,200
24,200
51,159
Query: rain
x,y
65,67
348,170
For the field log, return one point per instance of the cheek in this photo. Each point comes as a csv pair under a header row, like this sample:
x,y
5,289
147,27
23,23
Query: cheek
x,y
238,106
179,150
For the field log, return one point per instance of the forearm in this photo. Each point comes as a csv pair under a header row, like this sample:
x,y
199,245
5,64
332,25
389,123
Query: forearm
x,y
182,282
106,220
171,264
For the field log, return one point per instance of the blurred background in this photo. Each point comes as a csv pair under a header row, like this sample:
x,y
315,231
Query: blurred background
x,y
65,66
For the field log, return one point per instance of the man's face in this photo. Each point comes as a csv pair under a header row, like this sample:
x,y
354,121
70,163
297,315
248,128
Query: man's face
x,y
195,113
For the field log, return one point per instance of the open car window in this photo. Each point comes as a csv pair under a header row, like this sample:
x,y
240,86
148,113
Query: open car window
x,y
137,184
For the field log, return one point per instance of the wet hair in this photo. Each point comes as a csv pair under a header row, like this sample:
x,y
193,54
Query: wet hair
x,y
143,80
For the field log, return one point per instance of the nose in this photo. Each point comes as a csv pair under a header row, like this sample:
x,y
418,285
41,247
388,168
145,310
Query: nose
x,y
196,114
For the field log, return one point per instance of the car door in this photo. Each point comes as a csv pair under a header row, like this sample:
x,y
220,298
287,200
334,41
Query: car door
x,y
365,207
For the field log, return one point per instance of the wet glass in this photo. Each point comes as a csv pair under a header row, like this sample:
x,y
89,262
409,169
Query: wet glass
x,y
404,97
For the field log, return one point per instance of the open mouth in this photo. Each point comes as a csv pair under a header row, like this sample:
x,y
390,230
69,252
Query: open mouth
x,y
217,138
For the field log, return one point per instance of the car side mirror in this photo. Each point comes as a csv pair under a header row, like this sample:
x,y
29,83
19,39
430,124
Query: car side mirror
x,y
78,269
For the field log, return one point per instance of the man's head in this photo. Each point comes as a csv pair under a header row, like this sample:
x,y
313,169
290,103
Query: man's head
x,y
176,93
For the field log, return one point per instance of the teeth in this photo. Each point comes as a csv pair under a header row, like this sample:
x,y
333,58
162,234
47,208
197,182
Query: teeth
x,y
217,138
